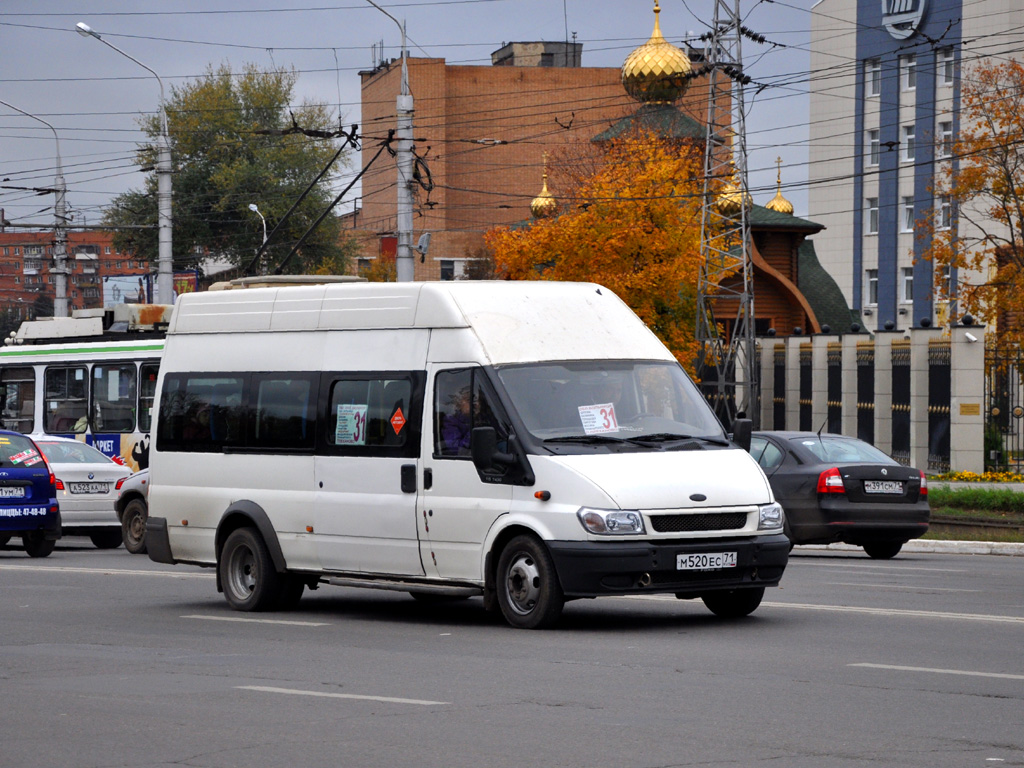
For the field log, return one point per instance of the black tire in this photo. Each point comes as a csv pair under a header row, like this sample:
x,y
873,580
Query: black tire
x,y
106,538
529,594
133,526
247,573
37,545
733,603
4,538
290,593
883,550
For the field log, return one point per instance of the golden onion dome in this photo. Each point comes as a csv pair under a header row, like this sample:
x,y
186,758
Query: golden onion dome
x,y
730,199
544,204
779,204
657,71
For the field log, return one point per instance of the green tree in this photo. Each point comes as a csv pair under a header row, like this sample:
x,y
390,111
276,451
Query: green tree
x,y
236,141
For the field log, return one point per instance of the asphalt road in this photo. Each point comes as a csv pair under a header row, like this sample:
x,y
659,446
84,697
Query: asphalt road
x,y
108,659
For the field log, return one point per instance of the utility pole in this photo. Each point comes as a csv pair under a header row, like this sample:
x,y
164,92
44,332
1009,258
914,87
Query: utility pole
x,y
727,362
60,240
404,264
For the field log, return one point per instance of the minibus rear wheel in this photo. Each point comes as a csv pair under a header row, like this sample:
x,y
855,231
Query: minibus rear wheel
x,y
529,594
247,573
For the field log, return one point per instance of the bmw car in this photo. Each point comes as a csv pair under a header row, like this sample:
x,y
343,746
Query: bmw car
x,y
840,489
28,497
86,489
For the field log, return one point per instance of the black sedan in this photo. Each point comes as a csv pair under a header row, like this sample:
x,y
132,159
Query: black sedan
x,y
836,488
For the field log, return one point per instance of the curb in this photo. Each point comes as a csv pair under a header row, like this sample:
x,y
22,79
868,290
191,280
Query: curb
x,y
1006,548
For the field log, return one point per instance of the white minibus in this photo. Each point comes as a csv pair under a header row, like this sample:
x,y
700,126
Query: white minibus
x,y
526,442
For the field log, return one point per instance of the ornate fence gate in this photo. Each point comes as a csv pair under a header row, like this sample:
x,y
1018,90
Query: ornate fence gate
x,y
901,401
939,398
1004,409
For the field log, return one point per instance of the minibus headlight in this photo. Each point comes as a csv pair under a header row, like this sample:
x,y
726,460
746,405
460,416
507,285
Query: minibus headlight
x,y
770,516
611,522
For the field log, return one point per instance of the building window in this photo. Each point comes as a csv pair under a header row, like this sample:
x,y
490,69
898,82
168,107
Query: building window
x,y
106,250
872,77
946,139
945,212
908,285
363,266
447,269
908,214
945,66
871,215
908,72
909,143
874,148
17,279
871,289
119,265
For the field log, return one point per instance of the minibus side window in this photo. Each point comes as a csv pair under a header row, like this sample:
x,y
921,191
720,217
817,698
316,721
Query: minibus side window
x,y
18,390
374,414
283,411
462,402
147,393
65,391
113,397
203,413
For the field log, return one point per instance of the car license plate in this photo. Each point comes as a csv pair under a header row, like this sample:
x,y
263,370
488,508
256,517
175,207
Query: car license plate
x,y
710,561
88,487
883,486
12,492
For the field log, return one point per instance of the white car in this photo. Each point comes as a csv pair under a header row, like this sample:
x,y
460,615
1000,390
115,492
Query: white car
x,y
132,510
86,489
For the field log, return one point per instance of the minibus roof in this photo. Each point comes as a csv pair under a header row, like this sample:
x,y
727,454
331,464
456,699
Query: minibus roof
x,y
515,321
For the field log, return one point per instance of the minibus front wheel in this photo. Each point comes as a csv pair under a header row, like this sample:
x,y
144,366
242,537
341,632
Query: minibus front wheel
x,y
529,593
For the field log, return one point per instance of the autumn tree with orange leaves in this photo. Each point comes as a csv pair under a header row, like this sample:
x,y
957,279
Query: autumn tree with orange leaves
x,y
977,226
633,226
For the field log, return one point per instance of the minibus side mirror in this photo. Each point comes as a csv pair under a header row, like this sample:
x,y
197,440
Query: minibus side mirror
x,y
483,447
741,429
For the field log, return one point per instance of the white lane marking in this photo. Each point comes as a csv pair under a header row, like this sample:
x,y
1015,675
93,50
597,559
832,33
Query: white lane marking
x,y
258,621
901,612
294,692
874,566
906,587
107,571
933,670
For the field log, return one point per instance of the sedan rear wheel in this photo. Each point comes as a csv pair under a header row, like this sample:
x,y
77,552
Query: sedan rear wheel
x,y
106,538
883,550
133,526
37,545
4,538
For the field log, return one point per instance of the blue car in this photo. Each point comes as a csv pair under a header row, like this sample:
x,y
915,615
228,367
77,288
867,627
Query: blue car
x,y
28,495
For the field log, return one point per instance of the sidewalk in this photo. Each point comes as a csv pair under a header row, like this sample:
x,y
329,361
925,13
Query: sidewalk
x,y
947,547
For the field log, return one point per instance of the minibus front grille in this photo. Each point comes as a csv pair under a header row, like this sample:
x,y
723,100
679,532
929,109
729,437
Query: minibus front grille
x,y
701,521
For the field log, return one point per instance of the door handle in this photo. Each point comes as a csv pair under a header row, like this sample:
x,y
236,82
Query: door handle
x,y
408,478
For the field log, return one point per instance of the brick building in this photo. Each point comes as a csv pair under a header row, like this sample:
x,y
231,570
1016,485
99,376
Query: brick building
x,y
27,283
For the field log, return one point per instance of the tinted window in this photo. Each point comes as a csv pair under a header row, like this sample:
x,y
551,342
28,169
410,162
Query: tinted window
x,y
65,393
18,390
283,411
201,412
71,453
372,413
839,450
462,401
18,451
147,394
767,454
114,389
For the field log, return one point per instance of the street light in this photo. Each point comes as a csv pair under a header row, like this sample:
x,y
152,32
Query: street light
x,y
164,273
256,210
60,301
403,155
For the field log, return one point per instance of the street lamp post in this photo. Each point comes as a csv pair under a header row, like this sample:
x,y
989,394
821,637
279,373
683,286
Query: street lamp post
x,y
403,153
255,209
60,301
164,274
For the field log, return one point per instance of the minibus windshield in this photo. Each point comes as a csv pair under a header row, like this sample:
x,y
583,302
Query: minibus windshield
x,y
603,402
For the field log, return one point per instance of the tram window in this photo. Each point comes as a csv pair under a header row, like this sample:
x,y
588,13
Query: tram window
x,y
65,391
114,388
18,399
147,393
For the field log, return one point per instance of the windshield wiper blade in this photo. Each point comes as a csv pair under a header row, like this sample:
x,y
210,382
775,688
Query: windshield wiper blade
x,y
669,437
593,439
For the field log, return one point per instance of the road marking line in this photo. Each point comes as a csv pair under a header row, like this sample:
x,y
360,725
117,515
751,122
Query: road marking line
x,y
257,621
907,587
106,571
874,566
900,612
968,673
294,692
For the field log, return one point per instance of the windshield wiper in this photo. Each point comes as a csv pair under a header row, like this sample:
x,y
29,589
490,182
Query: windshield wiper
x,y
668,437
592,439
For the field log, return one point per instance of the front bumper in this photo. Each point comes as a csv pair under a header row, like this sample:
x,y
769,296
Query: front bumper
x,y
596,568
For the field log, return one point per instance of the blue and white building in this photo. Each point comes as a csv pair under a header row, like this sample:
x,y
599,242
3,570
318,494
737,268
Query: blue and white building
x,y
884,111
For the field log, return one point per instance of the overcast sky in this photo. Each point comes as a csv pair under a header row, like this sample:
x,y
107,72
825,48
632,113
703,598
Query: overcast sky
x,y
93,96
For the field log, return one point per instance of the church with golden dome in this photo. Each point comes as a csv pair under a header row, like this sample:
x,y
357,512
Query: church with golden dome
x,y
490,138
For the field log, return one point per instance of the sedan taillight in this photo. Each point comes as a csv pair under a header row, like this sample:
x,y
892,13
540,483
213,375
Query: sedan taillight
x,y
119,483
830,481
924,484
58,483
